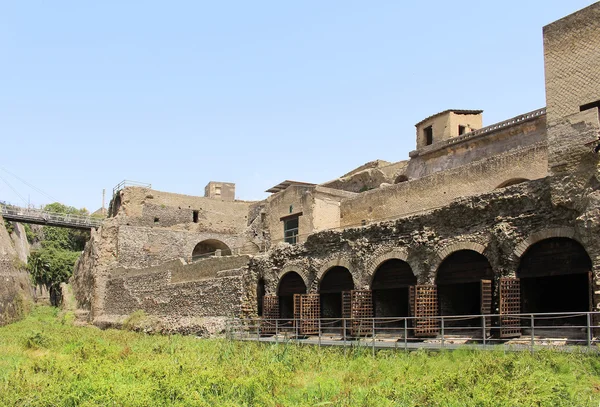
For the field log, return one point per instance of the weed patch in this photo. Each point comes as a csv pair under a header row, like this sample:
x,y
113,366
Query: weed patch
x,y
86,366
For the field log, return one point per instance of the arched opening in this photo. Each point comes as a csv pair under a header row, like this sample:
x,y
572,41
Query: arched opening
x,y
291,283
390,287
334,282
458,281
512,181
260,293
555,277
210,247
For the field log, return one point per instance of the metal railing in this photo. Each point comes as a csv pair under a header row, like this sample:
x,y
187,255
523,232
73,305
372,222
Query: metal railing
x,y
565,331
42,217
127,183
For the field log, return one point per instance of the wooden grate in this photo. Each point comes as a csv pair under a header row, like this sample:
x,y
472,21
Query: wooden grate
x,y
362,312
346,304
426,309
486,303
270,314
309,314
510,303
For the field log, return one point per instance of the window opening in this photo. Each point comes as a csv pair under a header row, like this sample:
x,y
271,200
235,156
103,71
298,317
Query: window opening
x,y
195,216
428,131
461,130
290,230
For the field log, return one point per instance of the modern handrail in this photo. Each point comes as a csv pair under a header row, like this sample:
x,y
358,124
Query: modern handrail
x,y
387,332
40,216
128,183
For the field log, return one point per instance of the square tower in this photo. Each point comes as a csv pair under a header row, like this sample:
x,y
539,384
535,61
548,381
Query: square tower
x,y
224,191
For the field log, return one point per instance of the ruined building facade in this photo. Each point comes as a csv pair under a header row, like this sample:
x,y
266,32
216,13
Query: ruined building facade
x,y
512,207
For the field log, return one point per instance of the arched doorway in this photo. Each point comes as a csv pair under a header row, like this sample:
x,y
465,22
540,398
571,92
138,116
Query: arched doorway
x,y
390,287
459,286
555,276
336,280
260,293
210,247
291,283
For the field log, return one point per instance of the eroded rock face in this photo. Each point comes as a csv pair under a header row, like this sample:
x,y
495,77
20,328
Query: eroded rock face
x,y
16,292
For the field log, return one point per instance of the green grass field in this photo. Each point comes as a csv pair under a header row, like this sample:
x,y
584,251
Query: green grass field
x,y
46,361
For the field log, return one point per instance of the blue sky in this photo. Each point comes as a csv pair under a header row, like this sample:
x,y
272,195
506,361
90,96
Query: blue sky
x,y
180,93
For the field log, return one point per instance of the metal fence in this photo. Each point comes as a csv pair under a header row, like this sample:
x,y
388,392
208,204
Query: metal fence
x,y
562,330
41,217
127,183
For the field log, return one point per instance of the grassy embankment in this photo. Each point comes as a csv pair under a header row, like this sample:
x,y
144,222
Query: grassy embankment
x,y
44,360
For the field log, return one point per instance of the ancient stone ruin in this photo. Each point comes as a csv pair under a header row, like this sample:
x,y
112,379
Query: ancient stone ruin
x,y
497,219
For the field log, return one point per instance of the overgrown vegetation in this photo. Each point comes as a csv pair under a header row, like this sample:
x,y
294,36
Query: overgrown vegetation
x,y
8,225
44,361
52,264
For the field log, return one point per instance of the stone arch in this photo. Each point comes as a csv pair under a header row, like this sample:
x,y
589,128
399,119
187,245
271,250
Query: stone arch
x,y
390,284
288,268
374,264
459,278
210,247
338,261
555,276
290,283
512,181
535,237
454,247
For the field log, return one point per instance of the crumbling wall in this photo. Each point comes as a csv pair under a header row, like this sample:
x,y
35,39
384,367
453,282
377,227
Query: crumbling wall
x,y
369,176
494,224
147,207
147,246
201,295
92,270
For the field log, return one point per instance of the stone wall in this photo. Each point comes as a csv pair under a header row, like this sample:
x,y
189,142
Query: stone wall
x,y
571,62
146,207
201,295
500,225
148,246
441,188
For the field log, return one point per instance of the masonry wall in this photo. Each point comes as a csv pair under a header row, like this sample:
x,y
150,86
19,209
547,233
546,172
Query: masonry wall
x,y
147,207
147,246
444,156
441,188
501,225
572,59
195,298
